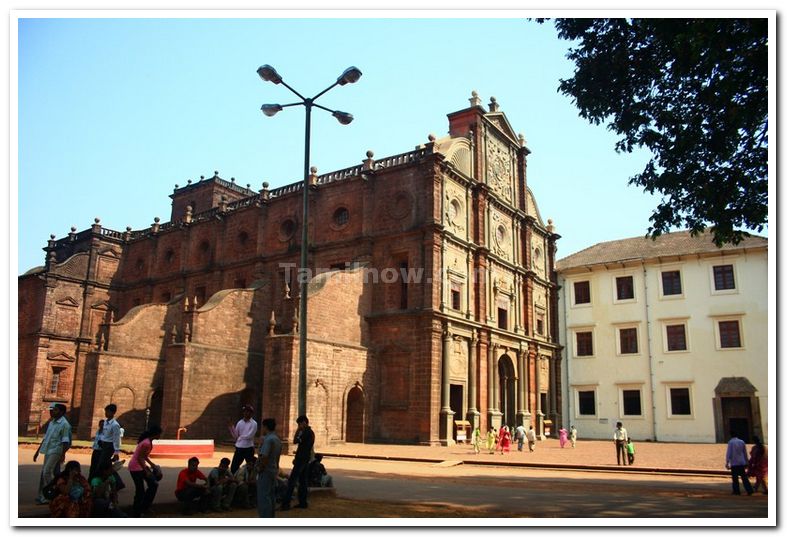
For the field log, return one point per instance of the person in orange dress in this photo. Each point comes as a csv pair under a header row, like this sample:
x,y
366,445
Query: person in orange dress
x,y
74,498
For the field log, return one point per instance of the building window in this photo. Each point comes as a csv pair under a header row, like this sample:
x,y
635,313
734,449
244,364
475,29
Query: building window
x,y
628,341
670,283
582,292
54,385
287,229
540,324
456,296
723,277
502,318
680,402
341,216
584,343
729,334
586,403
625,287
632,403
676,337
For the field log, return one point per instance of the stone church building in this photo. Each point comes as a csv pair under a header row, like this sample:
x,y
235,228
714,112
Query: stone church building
x,y
183,322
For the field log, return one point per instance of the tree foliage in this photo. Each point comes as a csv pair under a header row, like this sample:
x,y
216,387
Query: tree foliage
x,y
695,93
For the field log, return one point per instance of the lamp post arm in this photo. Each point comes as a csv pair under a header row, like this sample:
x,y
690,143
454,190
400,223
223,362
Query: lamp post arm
x,y
324,108
326,90
293,90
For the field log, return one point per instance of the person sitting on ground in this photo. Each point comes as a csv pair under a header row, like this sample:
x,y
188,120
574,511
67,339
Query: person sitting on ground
x,y
105,492
246,493
318,475
630,451
74,498
188,491
222,486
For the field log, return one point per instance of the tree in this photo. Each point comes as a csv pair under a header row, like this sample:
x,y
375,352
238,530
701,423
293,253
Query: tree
x,y
695,93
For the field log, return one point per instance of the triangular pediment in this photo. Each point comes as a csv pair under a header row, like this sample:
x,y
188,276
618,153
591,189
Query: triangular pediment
x,y
67,301
102,305
60,357
499,121
110,252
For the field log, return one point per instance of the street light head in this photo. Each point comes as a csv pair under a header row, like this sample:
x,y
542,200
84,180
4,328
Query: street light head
x,y
269,74
271,110
343,117
349,76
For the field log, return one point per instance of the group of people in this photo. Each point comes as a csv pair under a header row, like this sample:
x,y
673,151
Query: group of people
x,y
624,446
501,440
743,466
247,480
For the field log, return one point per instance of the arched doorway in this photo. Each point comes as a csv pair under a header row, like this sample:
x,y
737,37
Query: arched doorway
x,y
507,395
737,408
156,406
355,416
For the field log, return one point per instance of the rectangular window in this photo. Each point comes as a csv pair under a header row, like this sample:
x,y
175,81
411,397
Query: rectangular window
x,y
582,292
199,296
723,277
628,341
676,337
540,324
670,283
729,334
456,296
680,402
632,403
625,287
54,386
584,343
587,403
502,318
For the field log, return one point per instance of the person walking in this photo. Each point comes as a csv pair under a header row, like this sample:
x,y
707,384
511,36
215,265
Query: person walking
x,y
531,439
268,469
243,433
736,462
563,434
54,445
304,438
491,440
520,436
142,472
108,441
504,444
630,450
758,465
620,436
477,440
572,435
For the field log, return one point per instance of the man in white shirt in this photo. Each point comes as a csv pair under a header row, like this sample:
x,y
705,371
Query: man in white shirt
x,y
520,437
56,442
531,439
108,440
620,436
243,432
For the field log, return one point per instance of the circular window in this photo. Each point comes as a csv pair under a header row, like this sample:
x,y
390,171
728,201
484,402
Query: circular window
x,y
341,217
454,210
287,229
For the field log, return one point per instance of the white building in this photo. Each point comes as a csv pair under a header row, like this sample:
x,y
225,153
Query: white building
x,y
668,336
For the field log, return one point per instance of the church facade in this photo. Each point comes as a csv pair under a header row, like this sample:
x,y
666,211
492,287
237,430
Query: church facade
x,y
433,300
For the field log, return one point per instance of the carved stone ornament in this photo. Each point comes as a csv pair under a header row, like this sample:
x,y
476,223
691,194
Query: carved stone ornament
x,y
454,214
499,166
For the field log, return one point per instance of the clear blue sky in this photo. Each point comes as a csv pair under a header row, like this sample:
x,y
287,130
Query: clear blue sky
x,y
114,112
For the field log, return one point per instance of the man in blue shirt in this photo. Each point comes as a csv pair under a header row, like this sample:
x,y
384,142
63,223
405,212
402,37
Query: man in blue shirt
x,y
56,442
737,460
268,469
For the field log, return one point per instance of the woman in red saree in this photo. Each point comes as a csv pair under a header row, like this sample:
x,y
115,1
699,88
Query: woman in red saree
x,y
504,443
758,465
74,498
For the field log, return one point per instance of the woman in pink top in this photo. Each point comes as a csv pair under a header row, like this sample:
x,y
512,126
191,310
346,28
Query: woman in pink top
x,y
141,469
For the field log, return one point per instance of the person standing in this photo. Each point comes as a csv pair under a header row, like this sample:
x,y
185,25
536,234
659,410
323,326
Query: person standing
x,y
54,446
304,437
141,468
491,440
520,437
620,436
243,432
108,441
758,465
563,433
96,453
630,450
531,439
572,435
477,440
268,469
736,463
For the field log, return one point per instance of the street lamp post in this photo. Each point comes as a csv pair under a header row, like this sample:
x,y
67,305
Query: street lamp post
x,y
269,74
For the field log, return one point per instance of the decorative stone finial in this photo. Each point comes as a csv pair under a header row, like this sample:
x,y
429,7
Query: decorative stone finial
x,y
156,219
189,209
368,164
189,181
73,229
97,220
313,169
474,100
52,236
201,177
128,228
550,226
369,154
215,173
493,106
431,137
232,179
522,140
265,184
248,186
177,186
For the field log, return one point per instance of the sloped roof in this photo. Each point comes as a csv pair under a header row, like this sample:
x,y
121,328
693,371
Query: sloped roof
x,y
670,244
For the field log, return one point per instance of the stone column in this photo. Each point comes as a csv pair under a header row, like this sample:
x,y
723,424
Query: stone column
x,y
520,385
473,416
497,415
539,410
446,414
490,383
